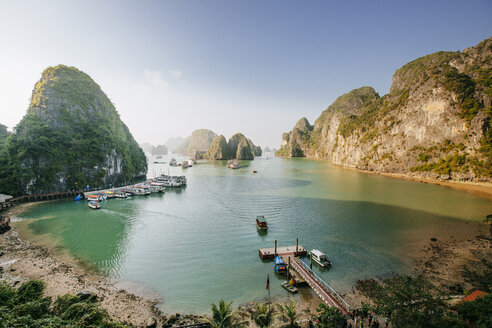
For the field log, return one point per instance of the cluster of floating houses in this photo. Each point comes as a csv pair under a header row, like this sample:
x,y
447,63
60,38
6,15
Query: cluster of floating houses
x,y
156,185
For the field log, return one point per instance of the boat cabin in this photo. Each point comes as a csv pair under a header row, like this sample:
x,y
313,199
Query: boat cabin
x,y
320,258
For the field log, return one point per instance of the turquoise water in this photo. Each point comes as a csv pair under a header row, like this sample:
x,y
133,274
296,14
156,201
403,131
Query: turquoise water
x,y
198,244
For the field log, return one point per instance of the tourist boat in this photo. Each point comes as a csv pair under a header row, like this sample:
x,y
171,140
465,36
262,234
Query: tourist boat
x,y
94,198
280,265
94,205
184,165
141,190
290,286
79,197
173,162
320,258
120,195
261,223
233,164
190,163
109,194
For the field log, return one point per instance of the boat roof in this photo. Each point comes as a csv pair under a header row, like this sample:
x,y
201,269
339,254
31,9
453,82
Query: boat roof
x,y
278,260
317,253
261,218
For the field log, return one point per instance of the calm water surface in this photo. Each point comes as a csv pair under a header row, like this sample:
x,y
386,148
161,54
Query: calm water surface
x,y
199,244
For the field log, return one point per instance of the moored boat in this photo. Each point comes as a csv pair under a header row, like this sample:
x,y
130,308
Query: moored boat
x,y
261,223
233,164
94,205
93,198
320,258
280,265
173,162
79,197
290,286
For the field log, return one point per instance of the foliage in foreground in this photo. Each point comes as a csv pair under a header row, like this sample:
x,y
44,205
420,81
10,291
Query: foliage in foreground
x,y
288,314
262,314
26,307
329,317
415,302
223,316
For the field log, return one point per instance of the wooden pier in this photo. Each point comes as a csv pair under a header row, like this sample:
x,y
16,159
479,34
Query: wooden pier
x,y
271,253
7,203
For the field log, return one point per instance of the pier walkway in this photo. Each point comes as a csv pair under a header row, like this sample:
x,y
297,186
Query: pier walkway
x,y
324,291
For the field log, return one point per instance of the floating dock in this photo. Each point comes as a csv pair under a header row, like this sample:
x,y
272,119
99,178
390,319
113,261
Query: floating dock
x,y
271,253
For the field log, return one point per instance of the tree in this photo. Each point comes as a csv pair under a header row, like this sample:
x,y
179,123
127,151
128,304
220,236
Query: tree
x,y
224,317
478,312
288,314
262,314
407,301
329,317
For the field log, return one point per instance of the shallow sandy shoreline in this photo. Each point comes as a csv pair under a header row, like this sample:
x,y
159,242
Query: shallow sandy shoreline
x,y
480,189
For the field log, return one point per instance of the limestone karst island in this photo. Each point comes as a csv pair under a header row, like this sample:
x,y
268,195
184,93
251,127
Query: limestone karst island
x,y
216,164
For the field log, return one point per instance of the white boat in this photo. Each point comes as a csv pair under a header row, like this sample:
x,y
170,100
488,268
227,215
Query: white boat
x,y
190,163
233,164
94,205
320,258
120,195
184,165
173,162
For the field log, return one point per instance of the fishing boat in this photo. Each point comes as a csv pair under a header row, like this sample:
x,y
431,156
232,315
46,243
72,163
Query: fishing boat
x,y
290,286
280,265
261,223
320,258
79,197
254,171
94,205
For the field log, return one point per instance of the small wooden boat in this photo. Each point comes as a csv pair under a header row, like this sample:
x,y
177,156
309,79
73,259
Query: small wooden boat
x,y
261,223
94,205
280,265
289,286
254,171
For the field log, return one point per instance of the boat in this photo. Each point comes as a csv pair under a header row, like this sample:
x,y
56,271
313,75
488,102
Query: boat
x,y
290,286
109,194
280,265
173,162
254,171
94,205
94,198
184,165
190,163
79,197
233,164
261,223
120,195
320,258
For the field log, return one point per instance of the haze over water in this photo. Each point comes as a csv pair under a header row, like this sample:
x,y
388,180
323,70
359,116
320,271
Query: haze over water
x,y
199,244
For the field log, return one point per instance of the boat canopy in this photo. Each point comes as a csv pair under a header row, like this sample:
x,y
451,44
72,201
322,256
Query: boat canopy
x,y
278,260
317,253
261,219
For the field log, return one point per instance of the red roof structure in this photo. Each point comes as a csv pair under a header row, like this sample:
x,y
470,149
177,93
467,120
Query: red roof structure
x,y
473,296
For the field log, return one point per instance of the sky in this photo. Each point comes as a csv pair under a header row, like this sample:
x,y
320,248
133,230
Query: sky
x,y
255,67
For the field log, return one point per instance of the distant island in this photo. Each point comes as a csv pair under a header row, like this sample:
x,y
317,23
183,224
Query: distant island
x,y
71,137
207,144
434,122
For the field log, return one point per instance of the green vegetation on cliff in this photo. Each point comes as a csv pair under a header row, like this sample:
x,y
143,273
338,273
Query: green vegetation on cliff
x,y
238,147
27,307
438,98
70,137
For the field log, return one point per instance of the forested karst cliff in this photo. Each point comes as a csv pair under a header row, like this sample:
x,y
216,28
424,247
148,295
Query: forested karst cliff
x,y
238,147
199,141
70,137
435,121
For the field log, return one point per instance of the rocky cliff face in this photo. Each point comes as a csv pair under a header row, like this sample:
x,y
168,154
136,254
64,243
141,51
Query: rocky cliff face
x,y
199,141
238,147
71,137
160,150
435,121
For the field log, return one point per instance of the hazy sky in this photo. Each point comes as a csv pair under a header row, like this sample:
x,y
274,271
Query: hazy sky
x,y
231,66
